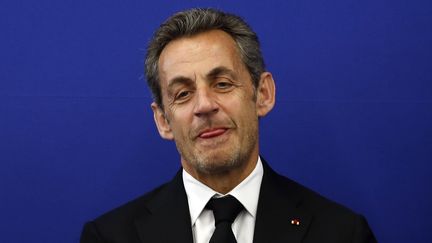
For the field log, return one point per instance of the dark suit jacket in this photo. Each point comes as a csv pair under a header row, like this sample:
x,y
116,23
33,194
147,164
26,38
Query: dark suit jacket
x,y
162,216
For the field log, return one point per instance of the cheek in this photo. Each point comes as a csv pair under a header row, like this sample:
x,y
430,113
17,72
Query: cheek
x,y
235,101
243,114
180,134
180,124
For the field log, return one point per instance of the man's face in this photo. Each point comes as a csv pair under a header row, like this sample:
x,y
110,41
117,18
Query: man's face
x,y
210,106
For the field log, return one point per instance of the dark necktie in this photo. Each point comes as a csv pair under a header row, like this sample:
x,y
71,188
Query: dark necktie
x,y
225,210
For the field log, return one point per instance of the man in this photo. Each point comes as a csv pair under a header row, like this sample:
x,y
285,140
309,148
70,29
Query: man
x,y
206,72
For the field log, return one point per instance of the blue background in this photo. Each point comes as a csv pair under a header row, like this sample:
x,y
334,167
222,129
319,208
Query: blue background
x,y
353,118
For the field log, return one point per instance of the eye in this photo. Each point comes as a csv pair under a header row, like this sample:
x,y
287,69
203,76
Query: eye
x,y
223,85
184,94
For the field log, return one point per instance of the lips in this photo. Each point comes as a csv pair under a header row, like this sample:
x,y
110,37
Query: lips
x,y
210,133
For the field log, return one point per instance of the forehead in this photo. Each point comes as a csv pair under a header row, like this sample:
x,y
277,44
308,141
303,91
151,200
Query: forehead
x,y
198,54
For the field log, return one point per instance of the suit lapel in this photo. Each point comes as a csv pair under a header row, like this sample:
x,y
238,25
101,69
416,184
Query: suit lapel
x,y
279,210
169,217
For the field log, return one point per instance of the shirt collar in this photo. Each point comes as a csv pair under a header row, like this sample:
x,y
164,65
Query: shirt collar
x,y
247,192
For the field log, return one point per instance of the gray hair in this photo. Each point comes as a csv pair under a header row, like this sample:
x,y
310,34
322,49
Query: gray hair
x,y
195,21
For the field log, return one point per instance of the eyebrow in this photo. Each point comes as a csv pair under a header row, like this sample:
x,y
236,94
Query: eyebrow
x,y
178,80
221,70
217,71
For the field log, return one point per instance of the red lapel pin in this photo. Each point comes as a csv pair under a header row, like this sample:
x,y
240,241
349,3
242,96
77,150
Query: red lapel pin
x,y
295,222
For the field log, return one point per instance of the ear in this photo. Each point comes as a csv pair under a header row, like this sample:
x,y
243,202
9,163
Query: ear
x,y
266,94
162,123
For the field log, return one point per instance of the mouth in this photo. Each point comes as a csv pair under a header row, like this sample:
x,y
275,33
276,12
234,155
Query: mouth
x,y
211,133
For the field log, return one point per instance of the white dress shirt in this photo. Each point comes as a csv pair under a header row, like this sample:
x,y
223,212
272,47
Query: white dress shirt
x,y
247,192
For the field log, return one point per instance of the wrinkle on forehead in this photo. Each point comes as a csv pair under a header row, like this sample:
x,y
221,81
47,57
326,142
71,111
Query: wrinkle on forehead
x,y
196,50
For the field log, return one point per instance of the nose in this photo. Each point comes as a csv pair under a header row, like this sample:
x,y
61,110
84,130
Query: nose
x,y
205,103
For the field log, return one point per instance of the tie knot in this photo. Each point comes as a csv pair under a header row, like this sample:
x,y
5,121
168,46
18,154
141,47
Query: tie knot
x,y
224,208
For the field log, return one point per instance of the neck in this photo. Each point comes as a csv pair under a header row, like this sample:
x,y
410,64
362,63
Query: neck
x,y
223,182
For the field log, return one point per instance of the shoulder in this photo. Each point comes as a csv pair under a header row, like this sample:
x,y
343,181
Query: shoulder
x,y
299,196
312,200
119,222
131,209
329,219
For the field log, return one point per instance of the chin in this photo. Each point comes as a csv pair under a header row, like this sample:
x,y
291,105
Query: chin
x,y
217,165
